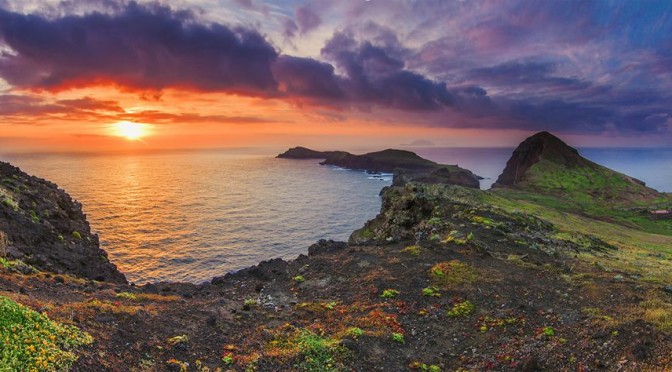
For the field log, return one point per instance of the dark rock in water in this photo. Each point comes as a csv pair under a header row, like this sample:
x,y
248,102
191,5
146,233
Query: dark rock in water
x,y
325,246
407,166
382,161
305,153
47,229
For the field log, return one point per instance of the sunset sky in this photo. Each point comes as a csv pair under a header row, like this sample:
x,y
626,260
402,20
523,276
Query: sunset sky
x,y
115,75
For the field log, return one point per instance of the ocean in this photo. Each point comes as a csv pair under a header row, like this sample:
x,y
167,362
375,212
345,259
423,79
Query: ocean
x,y
191,216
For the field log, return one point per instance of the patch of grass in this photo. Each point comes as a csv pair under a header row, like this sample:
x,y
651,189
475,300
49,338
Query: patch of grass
x,y
658,313
308,350
488,322
389,293
299,279
418,366
413,250
17,266
461,309
452,273
355,332
398,337
548,331
8,201
127,296
31,341
431,292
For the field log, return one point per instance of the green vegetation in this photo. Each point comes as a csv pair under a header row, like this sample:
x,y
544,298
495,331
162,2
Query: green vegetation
x,y
308,350
452,273
77,235
548,331
31,341
424,367
461,309
355,332
389,293
127,296
17,266
431,292
398,337
34,217
299,279
413,250
658,313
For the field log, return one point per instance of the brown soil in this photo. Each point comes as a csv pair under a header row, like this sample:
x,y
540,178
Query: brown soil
x,y
534,312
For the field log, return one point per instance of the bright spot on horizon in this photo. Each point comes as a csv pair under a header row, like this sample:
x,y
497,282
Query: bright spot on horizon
x,y
129,130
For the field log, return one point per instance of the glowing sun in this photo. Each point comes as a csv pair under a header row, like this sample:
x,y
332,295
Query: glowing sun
x,y
130,131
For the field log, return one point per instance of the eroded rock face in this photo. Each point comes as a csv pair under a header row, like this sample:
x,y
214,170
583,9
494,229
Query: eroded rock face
x,y
46,228
531,151
3,244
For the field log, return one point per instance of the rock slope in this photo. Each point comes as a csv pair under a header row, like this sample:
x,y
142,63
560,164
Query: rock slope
x,y
41,225
544,163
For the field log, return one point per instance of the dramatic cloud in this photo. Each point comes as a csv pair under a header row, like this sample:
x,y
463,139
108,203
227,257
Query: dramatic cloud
x,y
569,66
140,46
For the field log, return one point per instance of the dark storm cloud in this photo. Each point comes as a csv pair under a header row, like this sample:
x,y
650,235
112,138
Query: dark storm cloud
x,y
140,46
373,74
569,66
306,77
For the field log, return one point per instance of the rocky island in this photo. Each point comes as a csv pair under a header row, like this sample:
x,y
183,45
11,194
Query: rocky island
x,y
557,268
406,166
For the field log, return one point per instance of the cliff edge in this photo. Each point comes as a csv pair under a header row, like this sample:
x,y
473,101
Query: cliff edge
x,y
43,226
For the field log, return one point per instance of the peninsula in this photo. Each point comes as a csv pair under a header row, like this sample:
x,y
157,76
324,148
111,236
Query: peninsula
x,y
532,275
406,166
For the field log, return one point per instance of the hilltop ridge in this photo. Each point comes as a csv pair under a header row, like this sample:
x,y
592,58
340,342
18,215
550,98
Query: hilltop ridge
x,y
544,163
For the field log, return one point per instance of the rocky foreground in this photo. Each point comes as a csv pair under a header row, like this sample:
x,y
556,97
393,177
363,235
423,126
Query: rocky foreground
x,y
445,278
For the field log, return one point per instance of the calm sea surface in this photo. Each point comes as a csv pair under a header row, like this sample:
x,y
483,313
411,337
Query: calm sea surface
x,y
190,216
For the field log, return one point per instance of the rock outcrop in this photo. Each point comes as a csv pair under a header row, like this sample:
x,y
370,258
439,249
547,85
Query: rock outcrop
x,y
544,163
305,153
406,166
44,227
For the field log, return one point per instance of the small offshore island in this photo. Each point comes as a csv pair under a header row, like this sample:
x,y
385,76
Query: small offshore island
x,y
563,265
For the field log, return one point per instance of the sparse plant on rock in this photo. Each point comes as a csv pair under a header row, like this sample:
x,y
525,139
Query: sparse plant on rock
x,y
389,293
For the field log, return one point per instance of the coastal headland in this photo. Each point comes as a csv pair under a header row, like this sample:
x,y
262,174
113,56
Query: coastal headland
x,y
561,266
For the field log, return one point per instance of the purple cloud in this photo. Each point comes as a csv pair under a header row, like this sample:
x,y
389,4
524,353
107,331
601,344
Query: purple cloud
x,y
140,46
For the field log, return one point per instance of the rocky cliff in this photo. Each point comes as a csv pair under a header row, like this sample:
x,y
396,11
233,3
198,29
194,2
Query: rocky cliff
x,y
41,225
406,166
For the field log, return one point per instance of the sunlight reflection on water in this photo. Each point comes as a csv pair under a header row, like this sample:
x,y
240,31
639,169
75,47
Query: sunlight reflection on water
x,y
192,216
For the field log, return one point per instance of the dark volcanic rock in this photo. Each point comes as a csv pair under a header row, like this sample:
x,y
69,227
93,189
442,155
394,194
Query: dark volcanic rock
x,y
450,175
325,246
304,153
47,229
381,161
407,166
